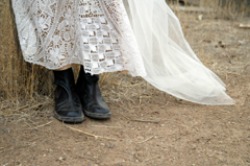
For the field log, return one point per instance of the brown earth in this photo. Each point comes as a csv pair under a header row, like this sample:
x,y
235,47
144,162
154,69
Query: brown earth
x,y
148,127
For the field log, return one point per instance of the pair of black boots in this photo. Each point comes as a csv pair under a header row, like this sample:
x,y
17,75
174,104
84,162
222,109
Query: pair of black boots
x,y
74,100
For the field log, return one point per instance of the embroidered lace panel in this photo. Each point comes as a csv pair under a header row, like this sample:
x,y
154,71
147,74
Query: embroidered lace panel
x,y
55,33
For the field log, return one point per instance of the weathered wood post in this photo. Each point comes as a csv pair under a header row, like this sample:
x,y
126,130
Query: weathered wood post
x,y
18,79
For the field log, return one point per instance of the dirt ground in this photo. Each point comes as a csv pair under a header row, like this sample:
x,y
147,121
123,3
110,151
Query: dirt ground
x,y
148,127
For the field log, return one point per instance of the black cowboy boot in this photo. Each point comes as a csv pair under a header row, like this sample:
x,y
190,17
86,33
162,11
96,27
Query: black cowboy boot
x,y
67,104
89,93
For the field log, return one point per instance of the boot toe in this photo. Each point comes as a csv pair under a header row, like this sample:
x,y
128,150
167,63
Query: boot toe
x,y
69,116
68,111
73,114
98,113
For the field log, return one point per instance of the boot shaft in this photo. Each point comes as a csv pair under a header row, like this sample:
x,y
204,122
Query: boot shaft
x,y
67,103
90,95
87,77
64,76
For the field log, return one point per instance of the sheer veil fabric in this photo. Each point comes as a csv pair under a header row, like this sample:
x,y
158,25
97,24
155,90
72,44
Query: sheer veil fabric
x,y
170,63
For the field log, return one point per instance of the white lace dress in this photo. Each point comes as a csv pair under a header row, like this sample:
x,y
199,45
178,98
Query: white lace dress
x,y
93,33
98,35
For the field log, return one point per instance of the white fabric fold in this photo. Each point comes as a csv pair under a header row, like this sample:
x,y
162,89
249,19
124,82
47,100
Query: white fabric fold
x,y
170,63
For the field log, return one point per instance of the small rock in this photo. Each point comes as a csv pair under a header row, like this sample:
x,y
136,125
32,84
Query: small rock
x,y
110,145
200,17
61,158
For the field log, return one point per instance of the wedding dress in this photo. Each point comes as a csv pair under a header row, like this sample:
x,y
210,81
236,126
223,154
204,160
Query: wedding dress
x,y
141,36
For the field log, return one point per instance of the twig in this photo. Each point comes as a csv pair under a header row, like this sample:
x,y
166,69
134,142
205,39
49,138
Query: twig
x,y
90,135
146,120
247,26
142,120
43,125
193,9
228,72
34,106
146,140
106,126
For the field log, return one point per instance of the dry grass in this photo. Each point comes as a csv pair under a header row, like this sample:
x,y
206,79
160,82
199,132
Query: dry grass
x,y
226,9
229,9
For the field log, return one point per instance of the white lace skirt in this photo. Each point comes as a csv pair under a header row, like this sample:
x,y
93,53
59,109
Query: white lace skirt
x,y
56,33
